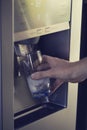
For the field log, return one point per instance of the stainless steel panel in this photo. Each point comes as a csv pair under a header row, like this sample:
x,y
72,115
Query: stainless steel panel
x,y
66,119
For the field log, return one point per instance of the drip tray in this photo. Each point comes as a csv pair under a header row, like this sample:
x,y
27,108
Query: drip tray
x,y
28,110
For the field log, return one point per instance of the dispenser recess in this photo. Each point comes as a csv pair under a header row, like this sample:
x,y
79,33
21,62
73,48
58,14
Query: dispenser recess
x,y
26,108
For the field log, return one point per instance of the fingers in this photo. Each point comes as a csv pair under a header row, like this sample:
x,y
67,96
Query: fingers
x,y
41,74
46,59
43,67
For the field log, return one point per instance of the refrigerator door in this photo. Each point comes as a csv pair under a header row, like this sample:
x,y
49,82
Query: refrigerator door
x,y
66,118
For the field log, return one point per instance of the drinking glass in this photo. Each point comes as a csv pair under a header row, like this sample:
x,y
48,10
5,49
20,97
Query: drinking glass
x,y
40,89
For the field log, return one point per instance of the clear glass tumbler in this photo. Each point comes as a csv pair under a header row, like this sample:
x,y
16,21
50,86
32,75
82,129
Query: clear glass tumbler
x,y
39,88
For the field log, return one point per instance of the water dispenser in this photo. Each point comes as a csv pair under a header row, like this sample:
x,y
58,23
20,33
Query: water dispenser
x,y
34,99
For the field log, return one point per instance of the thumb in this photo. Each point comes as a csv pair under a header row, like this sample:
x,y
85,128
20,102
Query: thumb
x,y
41,74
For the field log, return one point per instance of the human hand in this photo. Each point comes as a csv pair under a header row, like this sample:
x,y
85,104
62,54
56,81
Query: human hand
x,y
49,68
62,70
53,68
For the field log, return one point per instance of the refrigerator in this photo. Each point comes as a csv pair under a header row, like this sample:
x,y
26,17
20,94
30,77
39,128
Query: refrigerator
x,y
51,27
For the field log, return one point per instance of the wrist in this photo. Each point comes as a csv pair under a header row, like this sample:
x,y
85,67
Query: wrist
x,y
77,71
